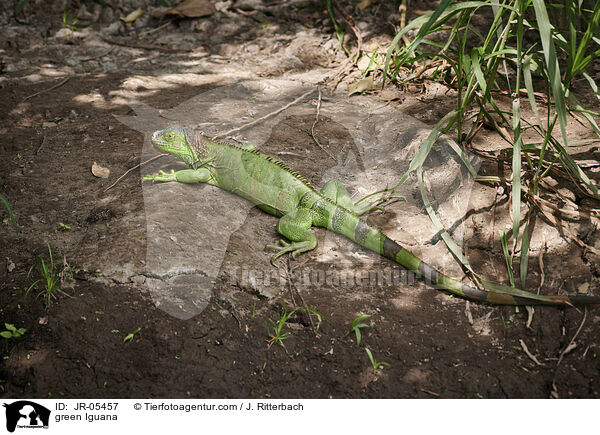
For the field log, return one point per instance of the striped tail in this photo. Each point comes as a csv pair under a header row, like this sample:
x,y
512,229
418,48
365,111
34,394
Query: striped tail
x,y
374,240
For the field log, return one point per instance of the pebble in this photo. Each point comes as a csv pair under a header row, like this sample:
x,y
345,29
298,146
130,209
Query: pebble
x,y
114,28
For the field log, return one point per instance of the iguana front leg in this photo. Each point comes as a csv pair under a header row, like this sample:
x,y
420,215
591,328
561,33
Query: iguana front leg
x,y
338,193
201,175
294,226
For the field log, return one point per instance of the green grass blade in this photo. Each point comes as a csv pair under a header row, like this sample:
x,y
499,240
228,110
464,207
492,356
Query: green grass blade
x,y
574,168
20,6
580,108
433,18
516,167
10,213
514,291
455,250
527,78
426,20
339,32
507,258
524,263
547,38
580,60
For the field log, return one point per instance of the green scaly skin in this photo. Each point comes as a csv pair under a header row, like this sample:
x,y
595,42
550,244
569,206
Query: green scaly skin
x,y
280,191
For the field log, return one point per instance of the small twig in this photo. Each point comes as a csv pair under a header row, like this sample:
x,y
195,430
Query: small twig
x,y
570,347
529,354
41,145
147,32
402,11
268,115
312,129
342,72
98,56
541,263
531,309
468,313
566,350
47,90
430,392
135,167
141,45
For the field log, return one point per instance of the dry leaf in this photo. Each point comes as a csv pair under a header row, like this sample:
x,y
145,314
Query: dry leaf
x,y
99,171
43,321
10,266
363,85
131,17
365,4
190,9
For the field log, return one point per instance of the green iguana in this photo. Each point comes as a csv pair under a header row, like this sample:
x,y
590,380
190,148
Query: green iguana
x,y
280,191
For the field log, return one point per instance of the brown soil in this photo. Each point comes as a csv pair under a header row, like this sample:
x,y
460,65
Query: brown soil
x,y
74,347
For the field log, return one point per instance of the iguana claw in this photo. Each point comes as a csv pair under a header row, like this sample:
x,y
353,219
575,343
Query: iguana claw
x,y
294,248
377,201
160,176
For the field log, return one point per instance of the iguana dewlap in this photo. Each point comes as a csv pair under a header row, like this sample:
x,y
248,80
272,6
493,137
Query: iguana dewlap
x,y
280,191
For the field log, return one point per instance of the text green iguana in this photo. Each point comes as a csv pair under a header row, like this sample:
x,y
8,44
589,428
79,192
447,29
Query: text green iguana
x,y
278,190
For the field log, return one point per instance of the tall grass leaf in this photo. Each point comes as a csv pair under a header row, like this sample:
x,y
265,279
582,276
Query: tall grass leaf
x,y
513,291
529,87
507,258
580,61
578,106
516,167
338,29
450,243
481,81
10,213
524,263
427,26
422,20
546,35
574,168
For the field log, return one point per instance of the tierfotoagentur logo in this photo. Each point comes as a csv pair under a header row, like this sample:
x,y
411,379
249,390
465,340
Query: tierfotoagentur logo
x,y
25,414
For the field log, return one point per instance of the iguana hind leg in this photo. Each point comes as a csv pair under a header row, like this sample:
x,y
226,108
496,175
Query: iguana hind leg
x,y
338,193
294,226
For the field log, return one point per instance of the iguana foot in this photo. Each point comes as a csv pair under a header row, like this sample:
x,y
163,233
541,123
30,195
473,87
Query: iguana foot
x,y
161,176
295,249
375,201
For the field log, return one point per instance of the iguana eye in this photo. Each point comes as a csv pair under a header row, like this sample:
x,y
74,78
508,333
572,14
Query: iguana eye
x,y
168,136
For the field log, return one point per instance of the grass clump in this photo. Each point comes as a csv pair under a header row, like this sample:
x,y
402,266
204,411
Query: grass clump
x,y
48,277
502,71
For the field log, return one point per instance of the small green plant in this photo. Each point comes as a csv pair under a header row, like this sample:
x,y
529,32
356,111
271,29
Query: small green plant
x,y
276,329
70,23
10,213
130,336
12,331
63,226
357,325
49,276
376,364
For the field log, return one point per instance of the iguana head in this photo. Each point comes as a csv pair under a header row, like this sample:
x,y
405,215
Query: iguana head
x,y
177,141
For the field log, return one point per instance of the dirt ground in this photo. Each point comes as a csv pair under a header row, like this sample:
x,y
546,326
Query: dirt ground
x,y
60,93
